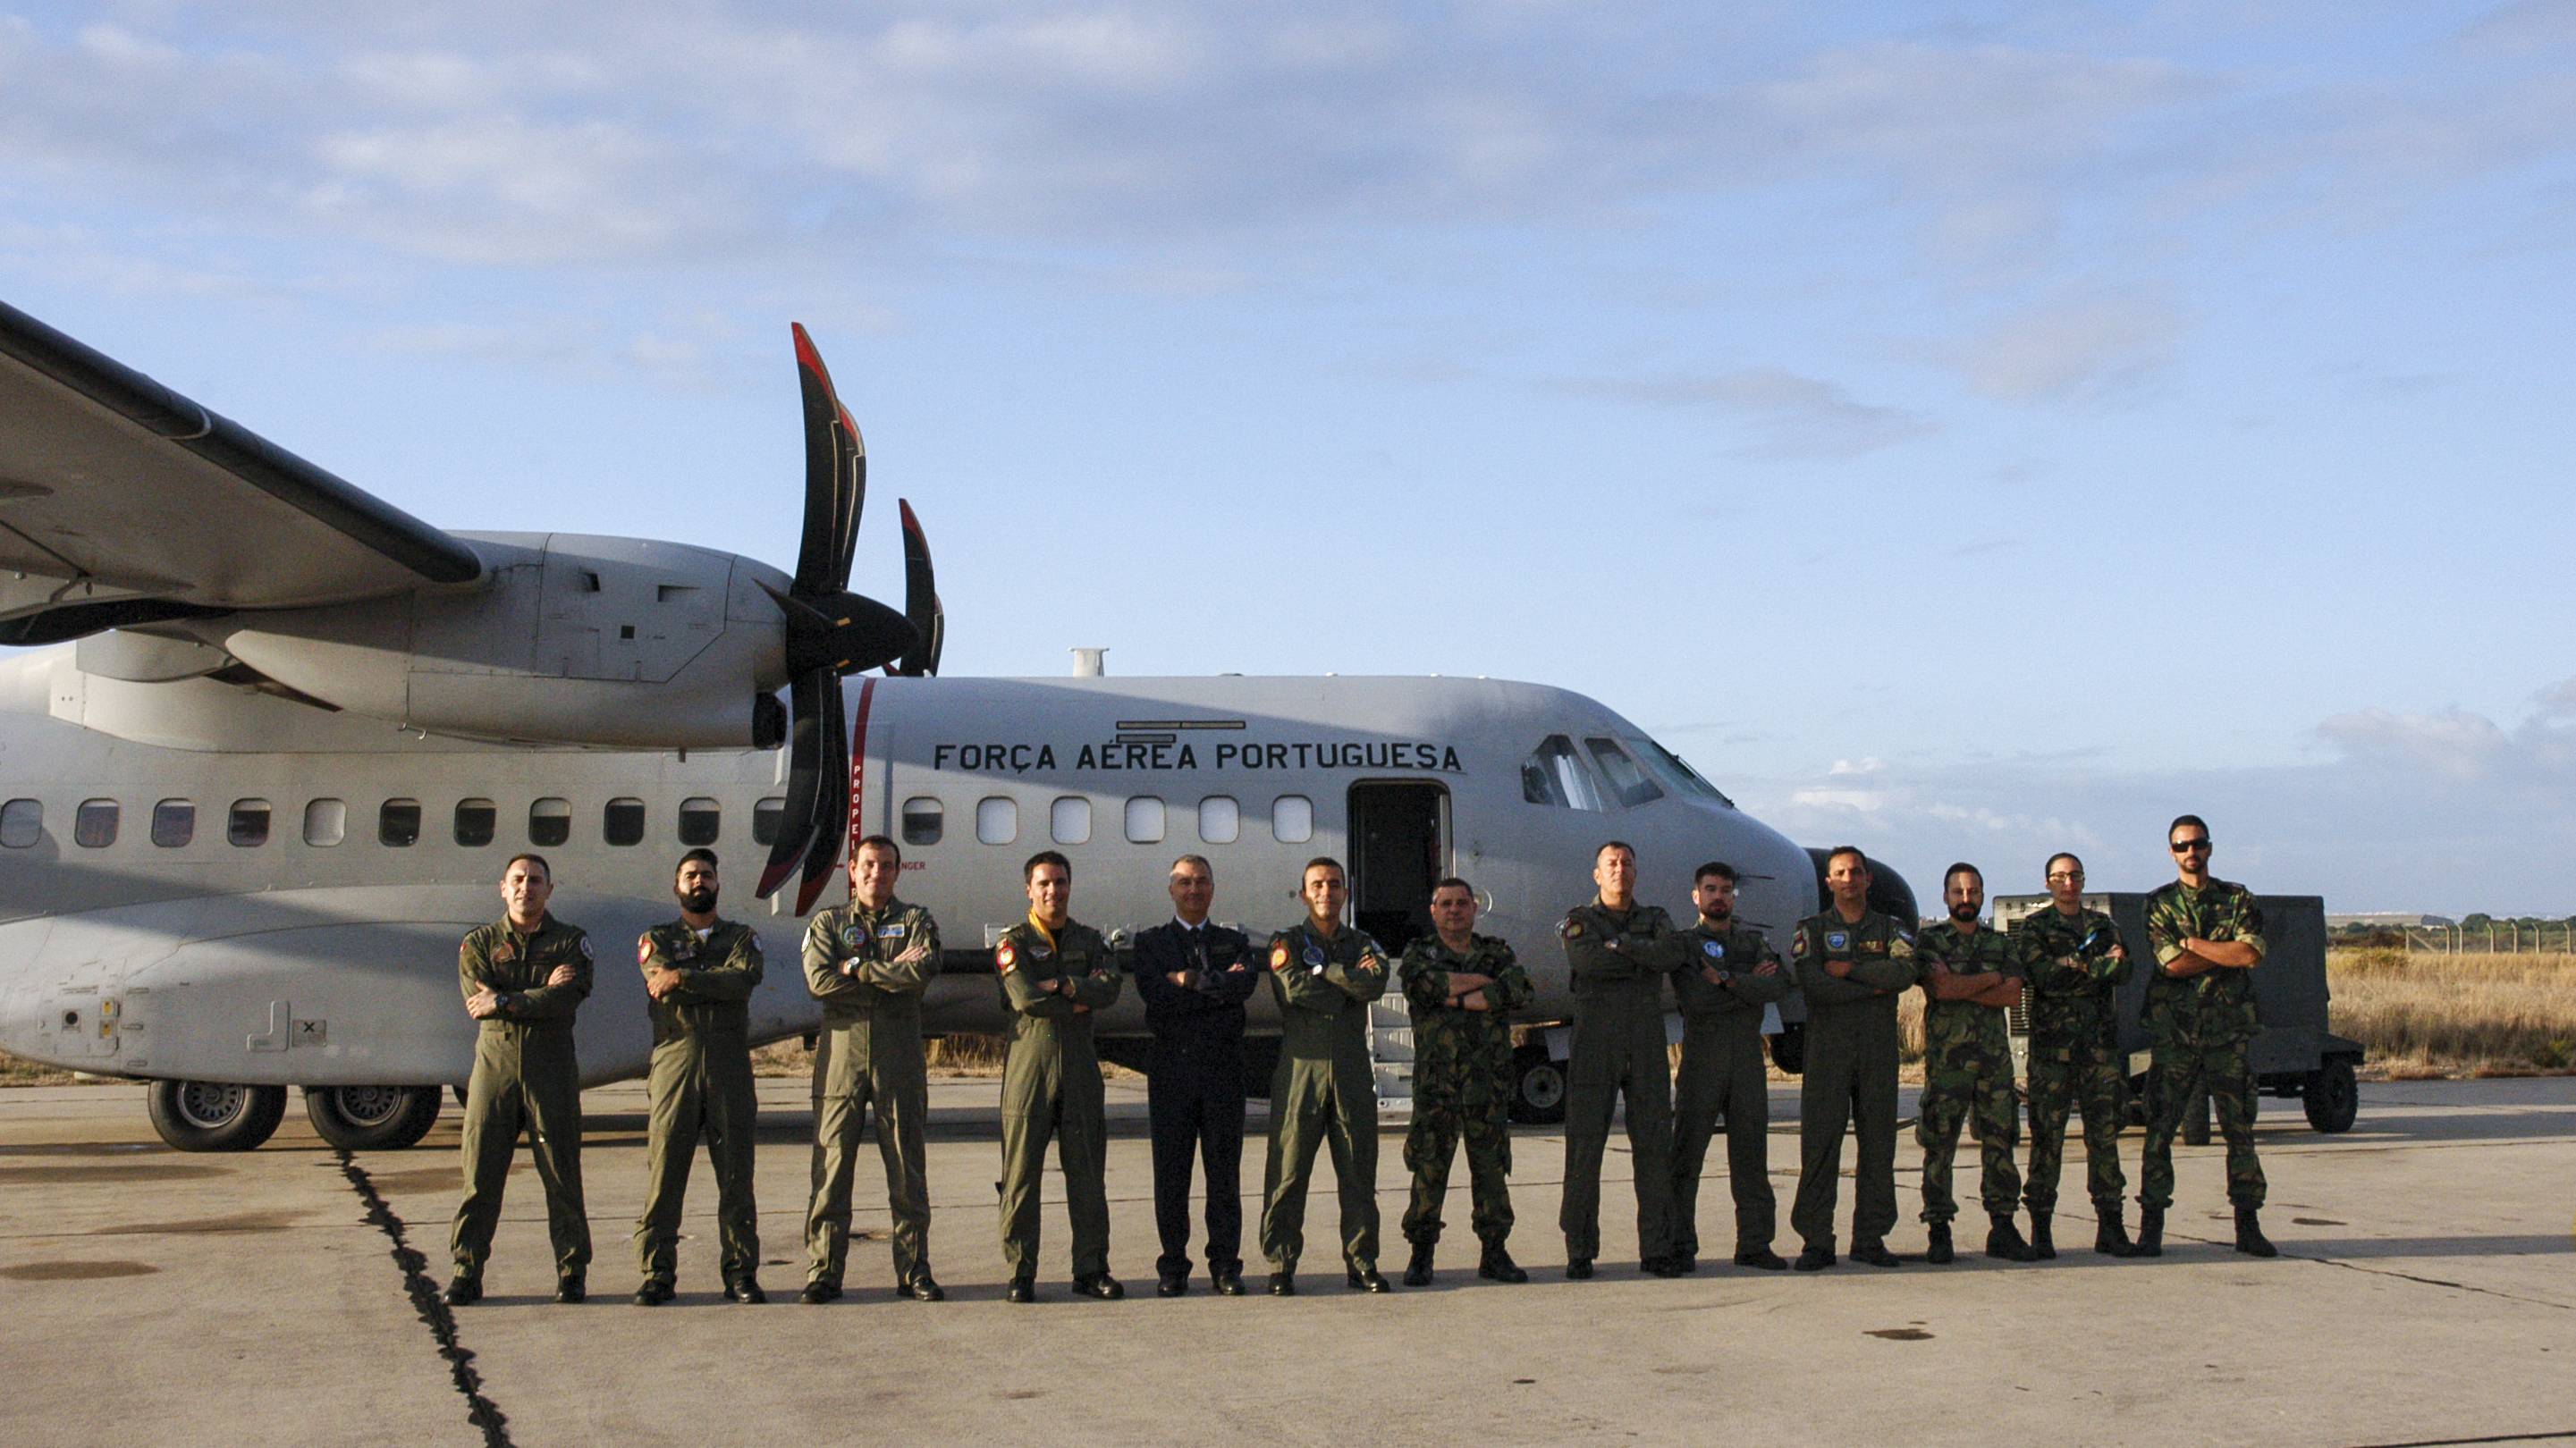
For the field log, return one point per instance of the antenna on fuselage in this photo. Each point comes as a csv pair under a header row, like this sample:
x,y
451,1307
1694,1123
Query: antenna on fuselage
x,y
1087,663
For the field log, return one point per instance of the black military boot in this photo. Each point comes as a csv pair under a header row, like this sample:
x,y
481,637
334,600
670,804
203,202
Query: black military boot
x,y
745,1289
2111,1237
2151,1233
1099,1285
462,1291
1283,1284
1497,1265
1022,1289
1874,1252
1578,1268
1762,1257
1816,1257
1417,1273
570,1289
2003,1240
653,1293
1366,1278
1940,1253
2043,1243
818,1292
2249,1235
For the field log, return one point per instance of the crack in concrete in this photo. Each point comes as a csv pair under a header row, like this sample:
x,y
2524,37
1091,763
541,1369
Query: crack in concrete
x,y
433,1310
2559,1436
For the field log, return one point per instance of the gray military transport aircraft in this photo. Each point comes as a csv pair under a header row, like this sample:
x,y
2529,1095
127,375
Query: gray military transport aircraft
x,y
282,736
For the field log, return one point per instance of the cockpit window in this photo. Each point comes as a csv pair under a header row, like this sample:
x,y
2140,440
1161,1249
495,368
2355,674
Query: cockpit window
x,y
1675,772
1555,774
1628,783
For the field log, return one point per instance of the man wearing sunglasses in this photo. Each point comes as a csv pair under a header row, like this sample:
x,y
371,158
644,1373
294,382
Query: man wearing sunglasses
x,y
2207,935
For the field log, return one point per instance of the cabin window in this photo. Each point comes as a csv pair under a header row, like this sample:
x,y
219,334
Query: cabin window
x,y
477,821
1145,820
1292,819
549,822
94,824
398,823
701,820
1554,774
174,823
247,823
1628,784
1220,820
997,820
326,822
22,823
1069,820
924,820
621,822
765,815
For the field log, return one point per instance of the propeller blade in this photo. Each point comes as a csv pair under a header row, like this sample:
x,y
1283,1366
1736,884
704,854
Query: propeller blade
x,y
804,780
846,633
920,600
836,478
832,809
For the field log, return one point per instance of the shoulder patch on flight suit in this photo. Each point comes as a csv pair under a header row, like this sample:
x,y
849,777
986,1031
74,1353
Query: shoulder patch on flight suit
x,y
644,947
1798,942
1900,947
504,953
584,942
1279,955
1006,957
1570,928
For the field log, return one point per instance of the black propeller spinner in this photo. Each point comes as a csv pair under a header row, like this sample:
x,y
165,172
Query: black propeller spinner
x,y
832,631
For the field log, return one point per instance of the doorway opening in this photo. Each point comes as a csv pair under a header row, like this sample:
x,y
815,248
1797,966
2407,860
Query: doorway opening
x,y
1399,835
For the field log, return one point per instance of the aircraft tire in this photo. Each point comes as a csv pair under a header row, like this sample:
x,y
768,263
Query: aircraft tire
x,y
1538,1086
1789,1048
2331,1096
372,1118
215,1115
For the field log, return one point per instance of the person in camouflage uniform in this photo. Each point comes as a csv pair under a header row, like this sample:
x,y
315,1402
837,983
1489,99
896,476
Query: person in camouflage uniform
x,y
2207,935
2073,966
1618,952
699,973
1461,988
1055,973
1852,962
868,963
524,976
1324,1090
1971,978
1731,974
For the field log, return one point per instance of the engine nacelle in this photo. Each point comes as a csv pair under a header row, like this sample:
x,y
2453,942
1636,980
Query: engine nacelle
x,y
572,639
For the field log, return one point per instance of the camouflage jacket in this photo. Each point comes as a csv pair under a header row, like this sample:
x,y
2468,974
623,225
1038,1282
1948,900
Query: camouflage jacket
x,y
2069,999
2215,1006
1458,1052
1735,953
869,942
1953,1027
716,978
1026,961
498,958
1324,988
1882,954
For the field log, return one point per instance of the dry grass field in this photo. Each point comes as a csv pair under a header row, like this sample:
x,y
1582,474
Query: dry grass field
x,y
2423,1016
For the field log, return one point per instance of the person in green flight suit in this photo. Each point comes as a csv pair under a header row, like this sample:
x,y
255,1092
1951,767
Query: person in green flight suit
x,y
1852,963
523,976
2207,935
1054,973
1729,975
868,963
699,973
2073,965
1324,1091
1971,982
1461,989
1619,952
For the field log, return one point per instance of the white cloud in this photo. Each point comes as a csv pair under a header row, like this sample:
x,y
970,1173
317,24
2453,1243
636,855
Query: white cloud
x,y
2081,348
1789,416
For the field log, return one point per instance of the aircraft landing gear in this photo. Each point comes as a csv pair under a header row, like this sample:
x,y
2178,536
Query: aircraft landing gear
x,y
372,1118
215,1115
1538,1086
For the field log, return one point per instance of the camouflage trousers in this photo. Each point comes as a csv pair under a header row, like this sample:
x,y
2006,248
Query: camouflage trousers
x,y
2068,1071
1431,1144
2181,1072
1961,1087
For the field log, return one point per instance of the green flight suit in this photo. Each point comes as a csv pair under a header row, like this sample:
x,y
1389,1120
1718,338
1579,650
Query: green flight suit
x,y
1722,1076
1051,1088
2073,1002
700,1083
1324,1091
2201,1030
868,1057
1967,1073
1619,960
525,1078
1462,1082
1851,1070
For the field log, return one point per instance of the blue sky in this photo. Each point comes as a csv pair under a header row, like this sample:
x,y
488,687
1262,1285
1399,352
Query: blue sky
x,y
1965,432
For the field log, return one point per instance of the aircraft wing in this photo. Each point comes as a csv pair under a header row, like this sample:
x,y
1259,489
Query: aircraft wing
x,y
122,502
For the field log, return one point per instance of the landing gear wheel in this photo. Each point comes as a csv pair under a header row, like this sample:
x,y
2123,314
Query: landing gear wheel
x,y
215,1115
1538,1086
2332,1097
1789,1048
371,1118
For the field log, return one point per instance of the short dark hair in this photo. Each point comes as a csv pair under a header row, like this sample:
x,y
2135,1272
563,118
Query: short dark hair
x,y
1838,851
1199,860
1719,868
528,855
1608,845
1446,882
2051,867
700,855
2180,821
877,842
1029,871
1962,867
1322,860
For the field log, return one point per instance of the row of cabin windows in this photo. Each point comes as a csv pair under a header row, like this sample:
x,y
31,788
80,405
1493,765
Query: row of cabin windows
x,y
924,820
398,822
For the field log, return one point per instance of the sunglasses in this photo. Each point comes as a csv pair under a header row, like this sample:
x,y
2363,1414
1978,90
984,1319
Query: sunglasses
x,y
2184,847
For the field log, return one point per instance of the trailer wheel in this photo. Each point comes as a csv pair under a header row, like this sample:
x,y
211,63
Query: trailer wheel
x,y
215,1115
1538,1086
2332,1097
